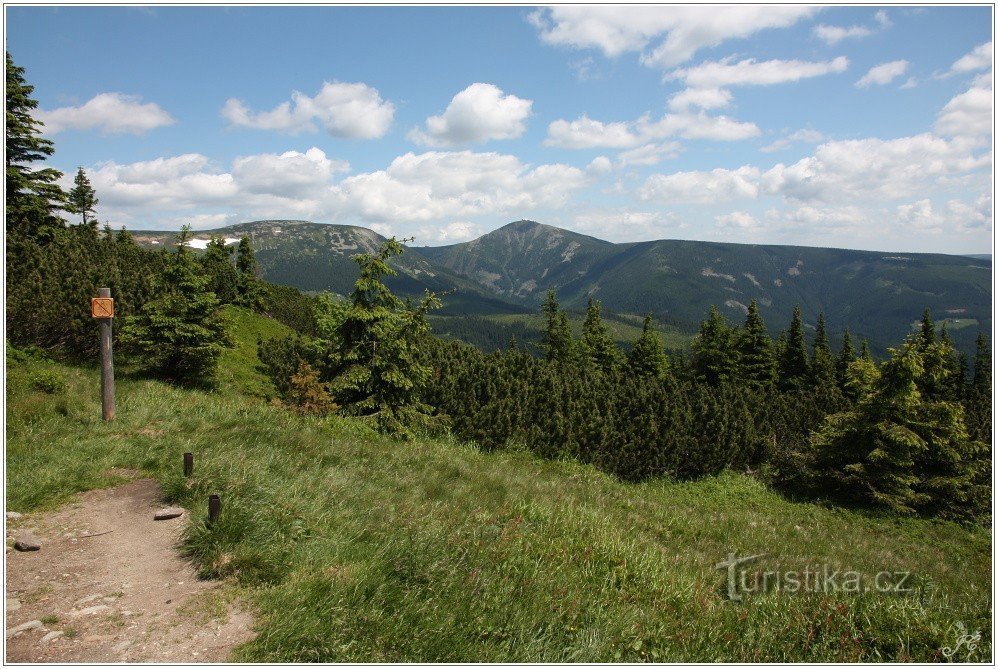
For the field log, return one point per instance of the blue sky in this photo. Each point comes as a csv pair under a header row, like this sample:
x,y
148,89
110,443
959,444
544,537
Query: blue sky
x,y
860,127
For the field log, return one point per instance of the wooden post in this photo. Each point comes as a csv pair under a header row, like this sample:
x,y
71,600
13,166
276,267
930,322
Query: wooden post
x,y
214,508
106,359
188,464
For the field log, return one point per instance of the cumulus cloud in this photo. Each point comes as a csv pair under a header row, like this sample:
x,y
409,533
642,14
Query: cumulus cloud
x,y
451,233
969,114
289,174
666,36
649,154
344,110
750,72
737,220
586,133
625,225
883,74
110,113
867,170
805,136
477,114
832,35
704,98
980,58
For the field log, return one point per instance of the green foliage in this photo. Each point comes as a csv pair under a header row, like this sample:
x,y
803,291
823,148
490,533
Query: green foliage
x,y
248,288
647,358
375,371
756,360
82,199
557,344
597,345
223,279
33,196
180,335
715,355
898,449
794,365
47,381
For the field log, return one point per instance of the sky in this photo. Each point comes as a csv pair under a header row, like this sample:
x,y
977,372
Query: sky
x,y
857,127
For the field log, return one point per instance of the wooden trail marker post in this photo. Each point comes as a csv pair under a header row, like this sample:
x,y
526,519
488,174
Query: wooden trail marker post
x,y
102,308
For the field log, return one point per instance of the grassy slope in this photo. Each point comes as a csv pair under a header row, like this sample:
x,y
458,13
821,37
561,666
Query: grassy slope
x,y
355,548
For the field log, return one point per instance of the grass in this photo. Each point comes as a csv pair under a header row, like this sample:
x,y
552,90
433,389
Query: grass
x,y
351,547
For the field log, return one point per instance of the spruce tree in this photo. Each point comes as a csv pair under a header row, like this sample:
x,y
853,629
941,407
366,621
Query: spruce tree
x,y
794,366
597,345
822,362
557,343
33,195
377,371
715,354
180,335
647,358
757,365
847,354
979,400
222,276
249,288
82,199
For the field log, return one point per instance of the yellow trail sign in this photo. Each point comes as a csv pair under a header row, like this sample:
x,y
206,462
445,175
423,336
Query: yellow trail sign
x,y
102,307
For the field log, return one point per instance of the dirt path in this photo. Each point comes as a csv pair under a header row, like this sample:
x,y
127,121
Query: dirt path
x,y
126,595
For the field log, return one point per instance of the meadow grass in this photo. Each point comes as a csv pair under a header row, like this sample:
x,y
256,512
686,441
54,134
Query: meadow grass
x,y
352,547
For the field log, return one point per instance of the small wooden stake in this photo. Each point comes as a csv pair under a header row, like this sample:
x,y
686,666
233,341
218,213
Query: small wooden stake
x,y
106,362
188,465
214,508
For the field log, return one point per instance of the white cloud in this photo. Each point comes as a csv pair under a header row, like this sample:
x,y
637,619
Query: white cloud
x,y
477,114
625,225
111,113
832,35
344,110
882,19
737,220
806,136
585,133
911,83
426,187
674,33
704,98
750,72
969,114
981,58
883,74
451,233
868,170
290,174
650,154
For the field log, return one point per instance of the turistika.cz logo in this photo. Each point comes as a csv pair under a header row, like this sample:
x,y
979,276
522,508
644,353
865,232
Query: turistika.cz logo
x,y
824,578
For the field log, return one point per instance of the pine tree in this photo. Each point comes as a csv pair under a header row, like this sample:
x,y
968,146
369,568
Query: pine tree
x,y
179,335
864,351
757,365
33,196
597,344
82,199
557,343
376,369
927,332
794,366
647,358
979,400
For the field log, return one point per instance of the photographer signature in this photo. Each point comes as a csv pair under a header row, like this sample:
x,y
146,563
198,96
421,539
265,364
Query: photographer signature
x,y
963,640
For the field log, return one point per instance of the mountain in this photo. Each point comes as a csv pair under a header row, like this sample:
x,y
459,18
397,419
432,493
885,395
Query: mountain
x,y
878,296
317,256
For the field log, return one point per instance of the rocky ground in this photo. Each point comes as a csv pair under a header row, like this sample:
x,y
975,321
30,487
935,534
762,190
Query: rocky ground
x,y
109,585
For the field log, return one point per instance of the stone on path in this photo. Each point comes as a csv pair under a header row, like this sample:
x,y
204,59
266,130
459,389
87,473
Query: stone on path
x,y
13,515
26,541
170,512
91,610
13,604
51,636
24,627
